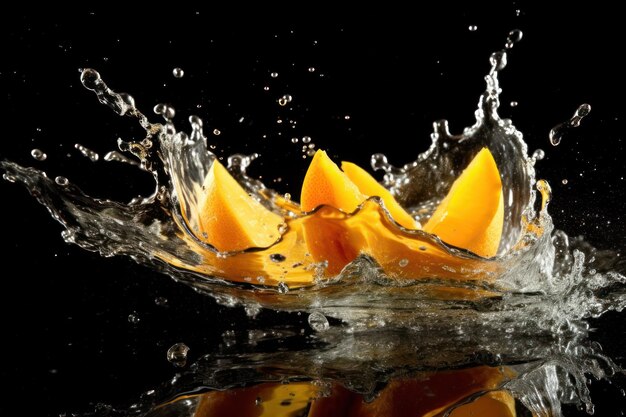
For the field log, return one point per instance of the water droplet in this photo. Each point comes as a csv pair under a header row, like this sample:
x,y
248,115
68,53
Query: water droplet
x,y
217,132
498,60
133,318
277,257
513,37
284,100
346,117
92,155
318,321
62,181
306,139
287,196
266,88
403,262
90,79
473,28
161,301
514,104
38,154
539,154
274,75
558,131
311,69
294,140
178,72
283,288
168,112
564,181
310,152
177,354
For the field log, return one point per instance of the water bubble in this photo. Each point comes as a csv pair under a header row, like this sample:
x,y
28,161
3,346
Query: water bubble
x,y
178,72
62,181
283,288
285,99
177,354
38,155
161,301
133,318
217,132
403,262
318,321
274,75
92,155
306,139
277,257
473,28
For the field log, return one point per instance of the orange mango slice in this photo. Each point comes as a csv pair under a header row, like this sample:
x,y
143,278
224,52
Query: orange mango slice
x,y
370,187
231,220
472,214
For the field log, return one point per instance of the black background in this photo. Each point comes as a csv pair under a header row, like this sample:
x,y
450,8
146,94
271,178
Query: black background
x,y
66,339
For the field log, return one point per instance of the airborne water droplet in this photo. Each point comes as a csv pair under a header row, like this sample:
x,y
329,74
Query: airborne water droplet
x,y
318,321
274,75
473,28
92,155
284,100
133,318
558,131
62,181
177,354
178,72
38,155
539,154
306,139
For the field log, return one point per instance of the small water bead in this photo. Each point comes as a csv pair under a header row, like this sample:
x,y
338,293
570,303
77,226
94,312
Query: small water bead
x,y
498,60
133,318
277,257
564,181
318,321
62,181
38,155
217,132
178,72
90,78
283,288
311,69
306,139
294,140
514,104
473,28
177,354
161,301
92,155
274,75
284,100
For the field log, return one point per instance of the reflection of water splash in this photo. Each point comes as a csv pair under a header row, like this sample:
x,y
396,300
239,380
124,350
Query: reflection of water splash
x,y
529,318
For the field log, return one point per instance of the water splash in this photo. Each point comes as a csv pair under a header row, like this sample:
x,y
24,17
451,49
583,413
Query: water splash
x,y
526,309
560,130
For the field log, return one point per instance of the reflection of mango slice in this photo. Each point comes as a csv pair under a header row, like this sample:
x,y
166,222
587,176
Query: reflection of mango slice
x,y
430,395
230,219
370,187
472,214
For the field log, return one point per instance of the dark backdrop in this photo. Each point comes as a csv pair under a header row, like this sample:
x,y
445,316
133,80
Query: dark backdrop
x,y
66,339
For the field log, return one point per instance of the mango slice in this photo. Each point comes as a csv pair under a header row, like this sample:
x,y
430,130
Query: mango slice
x,y
231,220
370,187
325,184
472,214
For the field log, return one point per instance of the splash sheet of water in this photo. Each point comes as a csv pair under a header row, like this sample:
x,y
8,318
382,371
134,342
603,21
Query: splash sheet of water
x,y
525,310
